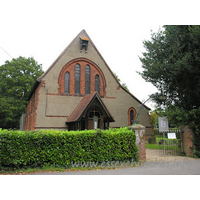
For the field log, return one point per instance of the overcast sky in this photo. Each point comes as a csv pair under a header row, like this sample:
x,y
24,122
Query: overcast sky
x,y
43,29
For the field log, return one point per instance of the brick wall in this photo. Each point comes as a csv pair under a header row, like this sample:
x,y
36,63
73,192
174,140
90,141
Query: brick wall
x,y
31,110
187,136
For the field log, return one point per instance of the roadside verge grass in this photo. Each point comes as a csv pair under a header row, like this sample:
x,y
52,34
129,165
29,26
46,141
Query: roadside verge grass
x,y
46,169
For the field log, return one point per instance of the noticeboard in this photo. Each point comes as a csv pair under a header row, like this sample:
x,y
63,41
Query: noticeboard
x,y
171,135
163,124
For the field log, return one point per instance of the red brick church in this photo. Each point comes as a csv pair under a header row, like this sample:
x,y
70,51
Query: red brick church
x,y
80,91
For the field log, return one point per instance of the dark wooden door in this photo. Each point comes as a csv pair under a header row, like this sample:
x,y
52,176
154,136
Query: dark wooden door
x,y
90,124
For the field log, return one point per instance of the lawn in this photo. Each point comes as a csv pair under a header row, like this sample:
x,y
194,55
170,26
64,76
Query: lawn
x,y
154,146
170,144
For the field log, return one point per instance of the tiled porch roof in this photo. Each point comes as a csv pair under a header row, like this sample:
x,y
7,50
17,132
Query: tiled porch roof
x,y
84,104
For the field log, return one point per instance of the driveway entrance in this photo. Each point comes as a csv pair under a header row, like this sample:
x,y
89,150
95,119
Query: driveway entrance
x,y
169,143
153,155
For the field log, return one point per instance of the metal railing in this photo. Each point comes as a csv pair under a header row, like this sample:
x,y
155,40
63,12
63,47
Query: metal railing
x,y
169,146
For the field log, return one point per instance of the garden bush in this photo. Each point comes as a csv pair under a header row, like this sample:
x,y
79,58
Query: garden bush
x,y
51,147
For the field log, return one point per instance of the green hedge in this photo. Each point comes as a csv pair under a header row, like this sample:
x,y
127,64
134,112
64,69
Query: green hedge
x,y
50,147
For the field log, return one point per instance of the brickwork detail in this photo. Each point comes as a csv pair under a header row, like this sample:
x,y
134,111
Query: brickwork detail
x,y
31,114
187,136
94,70
140,140
118,88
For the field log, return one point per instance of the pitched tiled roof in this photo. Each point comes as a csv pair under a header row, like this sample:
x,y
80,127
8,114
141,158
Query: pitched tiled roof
x,y
80,108
84,104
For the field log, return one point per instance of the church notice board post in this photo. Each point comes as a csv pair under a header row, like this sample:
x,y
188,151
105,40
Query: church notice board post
x,y
163,127
163,124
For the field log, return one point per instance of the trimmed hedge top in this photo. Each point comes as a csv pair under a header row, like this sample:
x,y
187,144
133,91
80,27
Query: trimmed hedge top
x,y
39,148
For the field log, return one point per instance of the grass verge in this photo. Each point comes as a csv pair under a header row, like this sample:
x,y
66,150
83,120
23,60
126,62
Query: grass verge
x,y
22,171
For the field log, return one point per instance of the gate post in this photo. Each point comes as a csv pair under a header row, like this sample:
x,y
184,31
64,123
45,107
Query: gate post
x,y
187,136
140,140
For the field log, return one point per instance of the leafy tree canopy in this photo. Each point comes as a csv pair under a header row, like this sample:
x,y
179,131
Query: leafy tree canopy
x,y
172,63
16,80
154,118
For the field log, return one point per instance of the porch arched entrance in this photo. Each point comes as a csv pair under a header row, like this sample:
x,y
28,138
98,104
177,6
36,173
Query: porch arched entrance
x,y
90,113
94,119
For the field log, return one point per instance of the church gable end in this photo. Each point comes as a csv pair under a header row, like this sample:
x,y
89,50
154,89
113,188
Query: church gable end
x,y
78,74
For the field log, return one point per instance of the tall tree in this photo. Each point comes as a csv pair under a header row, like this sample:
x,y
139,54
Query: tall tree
x,y
16,80
172,63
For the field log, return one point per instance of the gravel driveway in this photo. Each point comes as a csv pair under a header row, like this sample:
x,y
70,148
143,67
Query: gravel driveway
x,y
155,155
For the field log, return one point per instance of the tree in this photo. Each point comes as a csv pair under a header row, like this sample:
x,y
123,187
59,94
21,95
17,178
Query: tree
x,y
172,63
154,119
16,79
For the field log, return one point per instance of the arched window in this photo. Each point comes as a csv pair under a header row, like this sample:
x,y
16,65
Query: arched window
x,y
67,82
131,116
87,79
97,83
77,79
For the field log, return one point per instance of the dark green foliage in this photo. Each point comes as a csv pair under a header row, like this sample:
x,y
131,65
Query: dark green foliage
x,y
172,64
16,80
196,141
40,148
154,118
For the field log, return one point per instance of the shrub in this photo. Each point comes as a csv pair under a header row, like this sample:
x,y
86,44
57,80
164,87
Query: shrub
x,y
51,147
155,131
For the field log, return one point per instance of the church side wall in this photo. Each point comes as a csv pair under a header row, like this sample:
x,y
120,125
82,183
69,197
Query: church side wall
x,y
31,110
